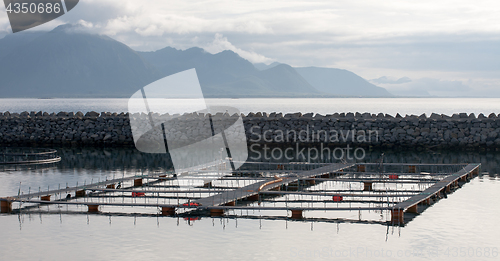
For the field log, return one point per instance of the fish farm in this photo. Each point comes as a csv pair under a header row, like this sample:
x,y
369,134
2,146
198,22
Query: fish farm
x,y
374,193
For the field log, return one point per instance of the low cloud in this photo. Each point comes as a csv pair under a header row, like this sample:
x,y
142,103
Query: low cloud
x,y
220,43
393,38
387,80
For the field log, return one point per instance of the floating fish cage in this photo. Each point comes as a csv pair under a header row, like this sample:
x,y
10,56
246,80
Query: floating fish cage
x,y
27,158
379,193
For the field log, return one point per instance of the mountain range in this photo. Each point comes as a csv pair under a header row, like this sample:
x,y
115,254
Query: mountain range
x,y
70,62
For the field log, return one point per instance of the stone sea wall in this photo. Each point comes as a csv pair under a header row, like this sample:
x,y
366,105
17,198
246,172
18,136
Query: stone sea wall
x,y
458,131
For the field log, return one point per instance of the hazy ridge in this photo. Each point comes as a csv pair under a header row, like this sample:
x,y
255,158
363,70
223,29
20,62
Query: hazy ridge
x,y
69,62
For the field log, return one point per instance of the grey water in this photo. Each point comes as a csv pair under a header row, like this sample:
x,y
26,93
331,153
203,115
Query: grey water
x,y
416,106
463,227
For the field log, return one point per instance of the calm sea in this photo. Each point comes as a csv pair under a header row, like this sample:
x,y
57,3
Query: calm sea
x,y
462,227
403,106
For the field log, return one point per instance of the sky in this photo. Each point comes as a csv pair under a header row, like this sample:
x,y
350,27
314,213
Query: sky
x,y
442,48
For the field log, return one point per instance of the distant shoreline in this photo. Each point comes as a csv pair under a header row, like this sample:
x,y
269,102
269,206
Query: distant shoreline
x,y
392,106
325,96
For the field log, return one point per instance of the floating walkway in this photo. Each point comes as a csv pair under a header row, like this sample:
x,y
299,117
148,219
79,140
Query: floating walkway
x,y
438,190
252,191
390,189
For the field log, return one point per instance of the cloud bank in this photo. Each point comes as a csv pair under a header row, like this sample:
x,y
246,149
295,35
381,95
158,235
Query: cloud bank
x,y
220,43
449,41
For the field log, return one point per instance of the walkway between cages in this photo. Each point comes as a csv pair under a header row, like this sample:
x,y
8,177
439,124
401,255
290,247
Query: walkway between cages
x,y
252,191
225,198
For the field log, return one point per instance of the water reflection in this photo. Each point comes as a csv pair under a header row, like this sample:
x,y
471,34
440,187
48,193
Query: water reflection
x,y
94,164
490,161
456,223
112,159
117,159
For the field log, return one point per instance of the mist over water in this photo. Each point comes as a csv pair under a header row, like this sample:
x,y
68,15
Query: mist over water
x,y
392,106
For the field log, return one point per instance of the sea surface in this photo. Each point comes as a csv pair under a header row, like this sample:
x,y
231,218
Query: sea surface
x,y
464,226
392,106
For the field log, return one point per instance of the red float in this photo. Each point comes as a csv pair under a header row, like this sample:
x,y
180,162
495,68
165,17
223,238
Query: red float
x,y
138,194
338,198
191,204
192,218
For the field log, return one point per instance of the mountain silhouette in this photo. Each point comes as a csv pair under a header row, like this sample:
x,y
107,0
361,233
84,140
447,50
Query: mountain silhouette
x,y
226,74
72,62
340,82
12,42
67,62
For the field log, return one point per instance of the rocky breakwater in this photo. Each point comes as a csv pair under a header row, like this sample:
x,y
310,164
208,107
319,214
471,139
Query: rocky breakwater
x,y
458,131
65,129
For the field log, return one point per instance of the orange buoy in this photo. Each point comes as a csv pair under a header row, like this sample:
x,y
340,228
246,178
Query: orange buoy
x,y
6,206
93,208
216,212
80,193
167,211
397,216
137,182
297,214
368,186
